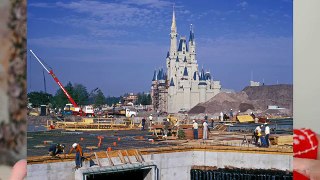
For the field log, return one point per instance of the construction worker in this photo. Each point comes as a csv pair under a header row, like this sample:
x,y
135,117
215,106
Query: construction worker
x,y
252,115
150,119
79,154
166,127
56,149
195,129
205,130
267,133
221,116
206,117
143,123
231,114
257,133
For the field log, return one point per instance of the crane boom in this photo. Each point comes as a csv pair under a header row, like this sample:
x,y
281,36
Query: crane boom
x,y
56,80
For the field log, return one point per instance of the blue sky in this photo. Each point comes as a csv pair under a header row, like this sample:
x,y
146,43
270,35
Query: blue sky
x,y
116,45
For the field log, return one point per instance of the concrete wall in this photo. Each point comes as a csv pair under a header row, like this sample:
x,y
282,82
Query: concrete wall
x,y
172,166
306,54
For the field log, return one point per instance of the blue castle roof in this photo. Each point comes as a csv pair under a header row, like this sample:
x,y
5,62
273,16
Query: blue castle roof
x,y
195,75
185,72
171,82
154,75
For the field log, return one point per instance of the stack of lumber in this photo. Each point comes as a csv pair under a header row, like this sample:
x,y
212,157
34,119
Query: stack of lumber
x,y
283,140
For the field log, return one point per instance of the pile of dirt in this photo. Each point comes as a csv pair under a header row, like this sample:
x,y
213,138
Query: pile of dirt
x,y
256,98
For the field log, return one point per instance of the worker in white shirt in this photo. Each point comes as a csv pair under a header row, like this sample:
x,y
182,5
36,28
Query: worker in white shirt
x,y
195,129
221,116
267,133
257,133
150,119
205,130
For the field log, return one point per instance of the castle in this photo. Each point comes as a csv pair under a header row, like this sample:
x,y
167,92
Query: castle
x,y
183,86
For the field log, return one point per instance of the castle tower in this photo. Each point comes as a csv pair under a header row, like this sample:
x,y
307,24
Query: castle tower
x,y
184,85
171,92
202,87
173,36
192,46
162,91
186,89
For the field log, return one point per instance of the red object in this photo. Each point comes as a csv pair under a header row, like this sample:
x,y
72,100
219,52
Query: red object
x,y
61,86
100,140
52,126
305,145
109,149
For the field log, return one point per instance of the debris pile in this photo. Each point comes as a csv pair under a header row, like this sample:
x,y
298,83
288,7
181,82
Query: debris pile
x,y
256,98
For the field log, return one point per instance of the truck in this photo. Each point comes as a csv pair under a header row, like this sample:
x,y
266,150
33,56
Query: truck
x,y
116,111
72,108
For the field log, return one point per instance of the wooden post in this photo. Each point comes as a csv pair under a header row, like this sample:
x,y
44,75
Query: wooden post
x,y
128,156
110,160
95,154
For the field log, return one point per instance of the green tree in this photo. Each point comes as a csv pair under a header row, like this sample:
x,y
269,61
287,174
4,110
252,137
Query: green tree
x,y
39,98
144,99
80,94
99,99
112,100
60,99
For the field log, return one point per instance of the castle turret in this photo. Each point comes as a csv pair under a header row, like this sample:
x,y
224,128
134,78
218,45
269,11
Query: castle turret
x,y
192,46
173,36
182,49
171,99
202,87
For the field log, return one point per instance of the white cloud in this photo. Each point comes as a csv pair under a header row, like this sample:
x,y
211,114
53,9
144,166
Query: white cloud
x,y
108,50
41,5
243,4
253,16
247,50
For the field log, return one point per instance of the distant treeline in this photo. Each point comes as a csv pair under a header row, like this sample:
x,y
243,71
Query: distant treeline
x,y
81,96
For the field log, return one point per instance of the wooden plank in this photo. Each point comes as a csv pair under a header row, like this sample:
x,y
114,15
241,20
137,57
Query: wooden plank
x,y
95,154
127,154
110,160
121,157
140,155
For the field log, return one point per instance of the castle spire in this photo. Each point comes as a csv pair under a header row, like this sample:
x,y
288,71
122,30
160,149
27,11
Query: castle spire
x,y
173,25
191,36
171,82
173,35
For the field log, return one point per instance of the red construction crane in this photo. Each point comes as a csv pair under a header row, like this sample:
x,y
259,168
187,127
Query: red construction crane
x,y
75,105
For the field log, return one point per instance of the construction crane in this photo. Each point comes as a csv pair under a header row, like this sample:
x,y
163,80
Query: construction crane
x,y
86,111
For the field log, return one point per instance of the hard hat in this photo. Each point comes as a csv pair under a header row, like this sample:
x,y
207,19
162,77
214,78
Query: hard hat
x,y
74,145
231,109
167,119
261,125
193,121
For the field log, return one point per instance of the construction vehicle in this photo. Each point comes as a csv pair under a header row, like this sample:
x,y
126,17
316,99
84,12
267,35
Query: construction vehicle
x,y
172,119
72,108
116,111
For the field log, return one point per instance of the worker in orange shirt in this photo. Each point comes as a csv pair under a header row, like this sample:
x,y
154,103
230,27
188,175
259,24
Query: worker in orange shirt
x,y
79,154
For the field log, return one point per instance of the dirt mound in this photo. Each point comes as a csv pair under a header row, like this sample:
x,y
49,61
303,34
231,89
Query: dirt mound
x,y
254,98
